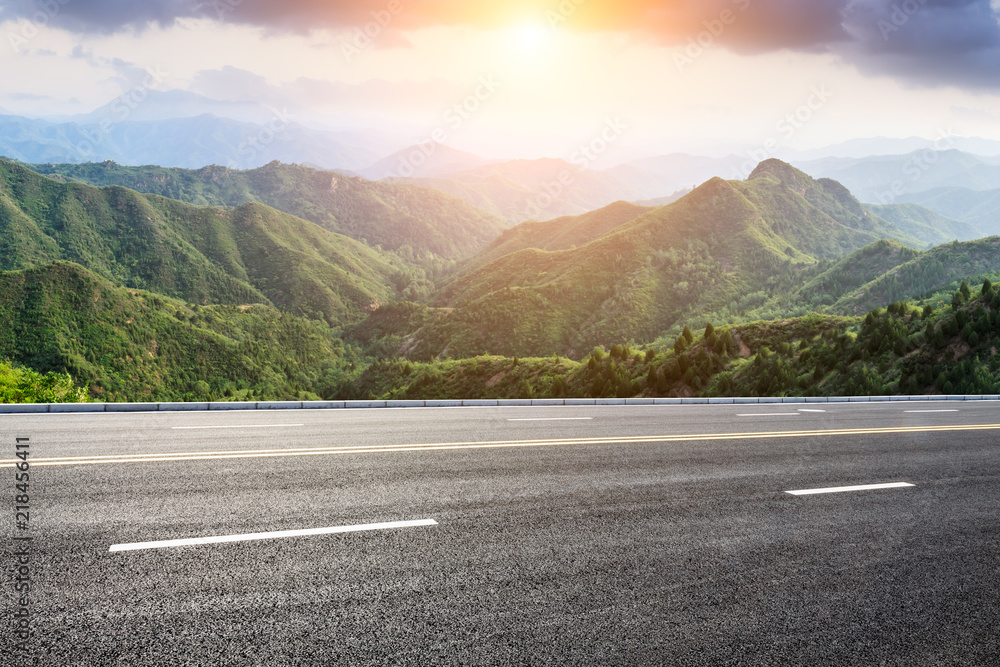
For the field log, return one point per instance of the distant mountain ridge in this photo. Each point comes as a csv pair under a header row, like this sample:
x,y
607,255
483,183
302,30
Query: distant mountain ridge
x,y
427,160
189,143
389,215
885,179
979,208
543,189
560,233
251,254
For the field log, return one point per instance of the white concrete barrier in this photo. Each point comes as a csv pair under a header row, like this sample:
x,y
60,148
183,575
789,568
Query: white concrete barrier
x,y
42,408
183,407
131,407
78,407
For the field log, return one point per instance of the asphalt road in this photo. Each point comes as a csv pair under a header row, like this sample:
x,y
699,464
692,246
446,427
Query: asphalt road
x,y
583,535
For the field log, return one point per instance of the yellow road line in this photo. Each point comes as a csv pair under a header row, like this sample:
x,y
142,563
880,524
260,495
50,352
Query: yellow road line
x,y
496,444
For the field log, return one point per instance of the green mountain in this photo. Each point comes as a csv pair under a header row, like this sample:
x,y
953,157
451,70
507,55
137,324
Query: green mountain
x,y
925,225
818,217
141,297
130,345
979,208
522,190
851,273
711,249
947,346
926,273
560,233
252,254
397,217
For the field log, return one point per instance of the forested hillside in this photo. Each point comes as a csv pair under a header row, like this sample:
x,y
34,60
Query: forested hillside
x,y
122,344
700,255
141,297
945,346
397,217
205,255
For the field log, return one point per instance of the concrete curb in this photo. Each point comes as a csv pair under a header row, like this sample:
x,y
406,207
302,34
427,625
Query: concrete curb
x,y
43,408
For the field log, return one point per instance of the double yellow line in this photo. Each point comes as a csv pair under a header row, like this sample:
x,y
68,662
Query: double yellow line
x,y
495,444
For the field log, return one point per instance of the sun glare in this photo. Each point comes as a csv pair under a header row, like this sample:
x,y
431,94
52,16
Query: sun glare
x,y
530,38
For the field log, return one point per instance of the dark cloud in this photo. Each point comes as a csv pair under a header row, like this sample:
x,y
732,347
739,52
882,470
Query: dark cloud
x,y
926,41
929,42
100,16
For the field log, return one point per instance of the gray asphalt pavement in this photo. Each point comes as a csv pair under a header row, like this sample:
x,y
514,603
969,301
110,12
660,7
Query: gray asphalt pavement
x,y
571,535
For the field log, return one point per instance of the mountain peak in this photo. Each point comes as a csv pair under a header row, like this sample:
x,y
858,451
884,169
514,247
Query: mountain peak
x,y
783,171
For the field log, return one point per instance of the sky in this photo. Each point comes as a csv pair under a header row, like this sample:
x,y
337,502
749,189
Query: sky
x,y
530,78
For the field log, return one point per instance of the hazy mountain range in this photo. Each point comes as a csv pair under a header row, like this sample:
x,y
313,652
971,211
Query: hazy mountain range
x,y
212,261
177,142
389,215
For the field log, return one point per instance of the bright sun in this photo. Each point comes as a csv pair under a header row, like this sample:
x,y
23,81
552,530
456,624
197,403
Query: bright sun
x,y
530,38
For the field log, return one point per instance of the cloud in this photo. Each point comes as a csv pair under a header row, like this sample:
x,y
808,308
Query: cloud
x,y
29,97
231,83
98,16
927,42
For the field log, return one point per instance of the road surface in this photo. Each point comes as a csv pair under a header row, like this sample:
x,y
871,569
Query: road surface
x,y
507,536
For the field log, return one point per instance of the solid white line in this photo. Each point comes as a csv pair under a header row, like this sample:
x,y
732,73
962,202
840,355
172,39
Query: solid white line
x,y
164,544
237,426
915,411
842,489
771,414
551,419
